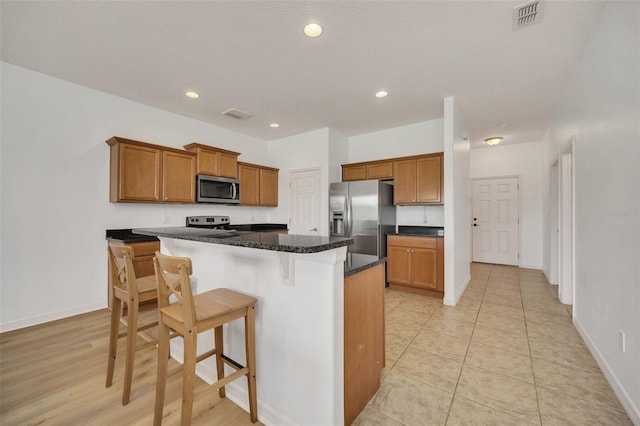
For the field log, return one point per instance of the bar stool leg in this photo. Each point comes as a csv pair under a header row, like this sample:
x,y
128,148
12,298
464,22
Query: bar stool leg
x,y
114,330
250,345
219,342
132,334
161,377
188,375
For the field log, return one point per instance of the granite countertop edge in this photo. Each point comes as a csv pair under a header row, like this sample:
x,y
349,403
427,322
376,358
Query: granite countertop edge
x,y
307,248
352,271
127,236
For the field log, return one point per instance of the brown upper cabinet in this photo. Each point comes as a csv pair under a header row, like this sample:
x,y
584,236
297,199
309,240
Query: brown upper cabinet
x,y
258,185
369,170
214,161
418,180
144,172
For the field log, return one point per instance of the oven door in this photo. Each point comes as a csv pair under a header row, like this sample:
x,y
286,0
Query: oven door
x,y
217,190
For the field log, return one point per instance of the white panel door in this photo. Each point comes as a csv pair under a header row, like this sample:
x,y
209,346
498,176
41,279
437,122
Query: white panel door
x,y
495,221
305,202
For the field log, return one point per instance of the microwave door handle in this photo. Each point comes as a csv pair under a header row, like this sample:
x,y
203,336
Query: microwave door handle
x,y
233,191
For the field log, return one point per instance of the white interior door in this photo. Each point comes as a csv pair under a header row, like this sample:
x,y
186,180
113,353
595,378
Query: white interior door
x,y
495,221
304,210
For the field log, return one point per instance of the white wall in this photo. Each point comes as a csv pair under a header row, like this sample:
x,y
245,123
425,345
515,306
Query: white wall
x,y
414,139
299,152
55,190
338,154
457,208
601,107
525,160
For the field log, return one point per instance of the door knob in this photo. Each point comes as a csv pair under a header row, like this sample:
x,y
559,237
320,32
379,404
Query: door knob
x,y
314,229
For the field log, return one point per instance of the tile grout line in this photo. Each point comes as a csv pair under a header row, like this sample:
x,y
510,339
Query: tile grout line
x,y
533,371
464,359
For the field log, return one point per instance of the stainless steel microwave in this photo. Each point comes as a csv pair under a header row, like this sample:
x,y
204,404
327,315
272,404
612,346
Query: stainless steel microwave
x,y
218,190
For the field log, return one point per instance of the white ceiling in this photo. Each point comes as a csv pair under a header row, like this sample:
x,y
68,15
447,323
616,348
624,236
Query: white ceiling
x,y
252,55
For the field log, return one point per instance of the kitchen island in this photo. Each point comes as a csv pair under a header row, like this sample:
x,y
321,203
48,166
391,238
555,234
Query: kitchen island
x,y
299,282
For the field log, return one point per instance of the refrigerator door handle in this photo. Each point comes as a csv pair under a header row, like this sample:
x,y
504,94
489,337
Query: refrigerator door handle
x,y
347,225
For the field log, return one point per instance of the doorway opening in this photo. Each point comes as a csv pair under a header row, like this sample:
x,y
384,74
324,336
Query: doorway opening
x,y
566,221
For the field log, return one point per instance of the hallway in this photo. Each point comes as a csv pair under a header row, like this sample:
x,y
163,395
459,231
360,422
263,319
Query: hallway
x,y
508,354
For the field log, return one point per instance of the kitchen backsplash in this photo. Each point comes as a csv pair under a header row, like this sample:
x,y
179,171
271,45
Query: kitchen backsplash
x,y
420,215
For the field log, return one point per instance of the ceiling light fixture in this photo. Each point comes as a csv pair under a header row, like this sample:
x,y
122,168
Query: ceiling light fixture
x,y
493,140
192,95
381,94
274,125
312,30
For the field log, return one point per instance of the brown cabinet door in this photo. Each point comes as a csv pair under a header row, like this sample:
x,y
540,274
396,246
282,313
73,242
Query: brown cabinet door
x,y
399,265
380,170
364,350
424,268
207,162
178,177
227,165
358,172
139,173
268,187
249,185
404,175
429,179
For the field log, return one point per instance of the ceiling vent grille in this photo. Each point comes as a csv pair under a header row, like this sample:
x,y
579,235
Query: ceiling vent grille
x,y
527,14
237,114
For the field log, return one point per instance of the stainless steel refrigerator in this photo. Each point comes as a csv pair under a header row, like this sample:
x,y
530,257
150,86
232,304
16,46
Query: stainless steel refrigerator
x,y
364,211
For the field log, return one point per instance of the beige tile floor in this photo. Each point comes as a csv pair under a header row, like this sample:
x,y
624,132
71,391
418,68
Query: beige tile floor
x,y
508,354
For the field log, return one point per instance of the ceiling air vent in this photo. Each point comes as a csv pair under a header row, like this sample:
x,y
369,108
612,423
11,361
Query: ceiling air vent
x,y
527,14
237,114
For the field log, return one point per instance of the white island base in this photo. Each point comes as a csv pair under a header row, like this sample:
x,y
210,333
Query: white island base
x,y
299,327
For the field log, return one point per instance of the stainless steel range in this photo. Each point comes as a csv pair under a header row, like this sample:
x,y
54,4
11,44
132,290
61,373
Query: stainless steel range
x,y
210,222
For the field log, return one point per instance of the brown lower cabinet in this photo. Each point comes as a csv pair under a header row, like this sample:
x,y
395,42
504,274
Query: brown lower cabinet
x,y
363,338
416,264
143,253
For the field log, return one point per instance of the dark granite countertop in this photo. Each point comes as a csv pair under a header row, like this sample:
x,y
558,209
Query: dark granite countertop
x,y
420,231
356,262
260,240
127,236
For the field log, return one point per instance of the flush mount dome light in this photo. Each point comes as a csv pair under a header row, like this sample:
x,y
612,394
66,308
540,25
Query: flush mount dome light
x,y
274,125
381,94
312,30
192,95
493,140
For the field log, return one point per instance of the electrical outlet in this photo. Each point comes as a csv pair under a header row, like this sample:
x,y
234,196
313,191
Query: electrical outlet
x,y
621,340
167,219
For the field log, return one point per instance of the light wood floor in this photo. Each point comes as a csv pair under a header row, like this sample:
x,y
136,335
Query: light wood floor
x,y
54,374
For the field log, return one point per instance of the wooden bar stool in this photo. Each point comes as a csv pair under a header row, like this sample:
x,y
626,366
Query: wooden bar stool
x,y
132,291
192,315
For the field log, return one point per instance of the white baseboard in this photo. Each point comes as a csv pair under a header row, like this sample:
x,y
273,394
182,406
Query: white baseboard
x,y
536,267
456,298
633,411
546,275
53,316
236,393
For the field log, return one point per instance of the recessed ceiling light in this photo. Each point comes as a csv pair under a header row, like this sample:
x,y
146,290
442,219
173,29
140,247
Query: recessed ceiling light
x,y
192,95
312,30
381,94
274,125
493,140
